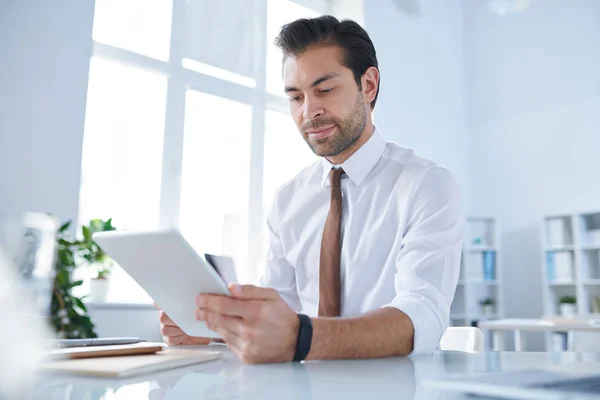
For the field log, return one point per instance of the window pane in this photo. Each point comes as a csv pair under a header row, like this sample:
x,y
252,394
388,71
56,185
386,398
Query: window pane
x,y
216,176
122,154
279,13
222,34
141,26
286,153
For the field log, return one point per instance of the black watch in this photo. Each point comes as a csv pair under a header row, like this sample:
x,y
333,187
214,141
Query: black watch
x,y
304,338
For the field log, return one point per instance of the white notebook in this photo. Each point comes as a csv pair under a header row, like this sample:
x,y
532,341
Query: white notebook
x,y
127,366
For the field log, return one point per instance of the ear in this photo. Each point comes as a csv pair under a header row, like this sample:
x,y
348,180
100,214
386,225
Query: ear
x,y
370,84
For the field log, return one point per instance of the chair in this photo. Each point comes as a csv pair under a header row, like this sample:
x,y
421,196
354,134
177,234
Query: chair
x,y
462,338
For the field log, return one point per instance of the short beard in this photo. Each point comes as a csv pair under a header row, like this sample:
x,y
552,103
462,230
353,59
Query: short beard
x,y
350,130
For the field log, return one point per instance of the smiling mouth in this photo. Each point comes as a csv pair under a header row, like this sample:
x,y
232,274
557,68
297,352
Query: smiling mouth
x,y
320,133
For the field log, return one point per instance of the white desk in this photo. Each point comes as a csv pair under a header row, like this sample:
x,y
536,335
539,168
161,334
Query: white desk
x,y
518,325
397,378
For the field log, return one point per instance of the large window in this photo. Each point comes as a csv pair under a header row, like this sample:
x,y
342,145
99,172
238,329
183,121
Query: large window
x,y
186,123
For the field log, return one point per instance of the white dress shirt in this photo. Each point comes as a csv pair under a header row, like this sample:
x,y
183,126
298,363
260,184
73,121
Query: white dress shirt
x,y
401,237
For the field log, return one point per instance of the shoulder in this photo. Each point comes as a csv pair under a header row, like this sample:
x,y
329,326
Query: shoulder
x,y
419,174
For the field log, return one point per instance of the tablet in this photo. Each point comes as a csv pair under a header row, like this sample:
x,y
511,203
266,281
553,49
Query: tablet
x,y
166,266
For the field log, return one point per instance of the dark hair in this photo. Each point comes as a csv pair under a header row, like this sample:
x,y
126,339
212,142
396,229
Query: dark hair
x,y
357,49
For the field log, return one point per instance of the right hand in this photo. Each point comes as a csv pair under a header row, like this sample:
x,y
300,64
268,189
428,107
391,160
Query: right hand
x,y
173,335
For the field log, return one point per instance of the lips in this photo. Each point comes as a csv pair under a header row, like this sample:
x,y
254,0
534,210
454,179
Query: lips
x,y
321,132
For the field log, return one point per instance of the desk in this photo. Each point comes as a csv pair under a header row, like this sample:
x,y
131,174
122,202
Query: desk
x,y
518,325
398,378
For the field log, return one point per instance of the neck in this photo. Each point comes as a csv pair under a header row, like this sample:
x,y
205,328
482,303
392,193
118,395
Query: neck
x,y
365,135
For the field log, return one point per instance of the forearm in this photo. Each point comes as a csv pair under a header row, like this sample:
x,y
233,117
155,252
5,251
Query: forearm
x,y
382,333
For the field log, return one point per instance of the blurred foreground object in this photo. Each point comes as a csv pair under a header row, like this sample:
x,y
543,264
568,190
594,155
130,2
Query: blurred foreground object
x,y
27,252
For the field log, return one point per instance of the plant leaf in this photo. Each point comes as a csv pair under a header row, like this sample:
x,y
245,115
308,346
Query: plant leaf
x,y
86,233
65,226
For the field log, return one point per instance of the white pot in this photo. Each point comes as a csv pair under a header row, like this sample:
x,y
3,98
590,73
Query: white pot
x,y
568,310
488,310
99,290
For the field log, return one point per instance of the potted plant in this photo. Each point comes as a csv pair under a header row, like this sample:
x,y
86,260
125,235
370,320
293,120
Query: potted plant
x,y
96,258
488,307
568,306
68,313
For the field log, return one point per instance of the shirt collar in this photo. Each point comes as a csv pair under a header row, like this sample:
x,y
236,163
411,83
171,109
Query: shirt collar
x,y
359,164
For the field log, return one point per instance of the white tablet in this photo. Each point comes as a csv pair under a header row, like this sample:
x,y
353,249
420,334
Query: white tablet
x,y
165,265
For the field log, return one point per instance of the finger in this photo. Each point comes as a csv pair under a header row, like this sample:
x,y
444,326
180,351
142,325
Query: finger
x,y
156,306
171,331
253,292
225,305
222,324
174,340
166,320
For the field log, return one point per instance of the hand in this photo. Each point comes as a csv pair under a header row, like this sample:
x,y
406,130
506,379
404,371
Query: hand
x,y
256,323
173,335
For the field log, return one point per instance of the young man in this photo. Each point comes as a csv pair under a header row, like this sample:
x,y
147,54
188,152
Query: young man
x,y
366,241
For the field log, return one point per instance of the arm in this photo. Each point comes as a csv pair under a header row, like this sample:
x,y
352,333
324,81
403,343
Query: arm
x,y
366,336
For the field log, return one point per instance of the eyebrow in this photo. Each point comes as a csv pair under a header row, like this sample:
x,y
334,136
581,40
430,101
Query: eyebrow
x,y
315,83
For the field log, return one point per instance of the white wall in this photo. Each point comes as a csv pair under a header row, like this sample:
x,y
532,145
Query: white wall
x,y
422,97
45,49
534,117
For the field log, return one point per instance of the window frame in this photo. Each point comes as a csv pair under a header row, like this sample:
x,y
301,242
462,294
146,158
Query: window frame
x,y
180,80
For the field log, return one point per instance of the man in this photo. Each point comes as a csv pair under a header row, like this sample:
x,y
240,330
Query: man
x,y
366,241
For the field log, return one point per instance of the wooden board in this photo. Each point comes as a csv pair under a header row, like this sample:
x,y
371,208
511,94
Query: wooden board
x,y
127,366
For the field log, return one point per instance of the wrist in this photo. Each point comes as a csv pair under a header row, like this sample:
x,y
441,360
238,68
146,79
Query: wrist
x,y
304,338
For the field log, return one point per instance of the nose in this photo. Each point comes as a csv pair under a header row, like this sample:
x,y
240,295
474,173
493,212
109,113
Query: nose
x,y
312,109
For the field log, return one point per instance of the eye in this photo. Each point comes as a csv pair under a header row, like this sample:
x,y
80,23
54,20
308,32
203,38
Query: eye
x,y
326,91
294,98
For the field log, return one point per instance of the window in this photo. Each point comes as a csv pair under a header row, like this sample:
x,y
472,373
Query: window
x,y
186,124
279,13
216,176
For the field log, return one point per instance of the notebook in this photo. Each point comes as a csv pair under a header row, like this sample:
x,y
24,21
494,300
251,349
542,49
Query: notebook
x,y
104,351
132,365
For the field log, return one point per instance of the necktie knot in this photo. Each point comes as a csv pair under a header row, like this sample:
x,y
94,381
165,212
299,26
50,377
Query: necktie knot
x,y
335,176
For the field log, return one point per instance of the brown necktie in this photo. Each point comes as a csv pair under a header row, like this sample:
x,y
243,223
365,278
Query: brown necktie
x,y
329,269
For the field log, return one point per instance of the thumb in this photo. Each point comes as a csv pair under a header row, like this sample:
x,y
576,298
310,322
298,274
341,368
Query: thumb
x,y
251,292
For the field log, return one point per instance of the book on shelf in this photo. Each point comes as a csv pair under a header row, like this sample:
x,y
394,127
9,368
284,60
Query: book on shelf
x,y
557,232
559,266
489,265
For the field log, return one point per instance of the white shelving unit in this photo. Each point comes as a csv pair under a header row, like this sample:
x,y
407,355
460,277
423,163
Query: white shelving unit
x,y
571,261
480,275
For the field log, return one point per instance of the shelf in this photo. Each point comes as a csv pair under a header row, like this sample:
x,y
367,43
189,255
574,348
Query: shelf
x,y
476,249
559,248
480,282
485,317
591,282
561,283
590,247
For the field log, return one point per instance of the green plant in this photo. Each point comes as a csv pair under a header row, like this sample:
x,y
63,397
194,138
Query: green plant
x,y
487,302
91,252
68,314
568,300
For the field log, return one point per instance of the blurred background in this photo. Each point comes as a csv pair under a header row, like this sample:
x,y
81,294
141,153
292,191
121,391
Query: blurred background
x,y
134,113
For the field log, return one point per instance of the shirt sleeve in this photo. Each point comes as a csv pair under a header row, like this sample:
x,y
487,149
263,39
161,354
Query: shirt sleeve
x,y
428,263
279,273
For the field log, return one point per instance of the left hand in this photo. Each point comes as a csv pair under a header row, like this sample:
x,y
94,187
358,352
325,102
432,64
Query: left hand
x,y
255,322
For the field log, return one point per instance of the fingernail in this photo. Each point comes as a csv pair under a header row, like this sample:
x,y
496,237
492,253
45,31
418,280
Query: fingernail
x,y
200,315
236,289
200,301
